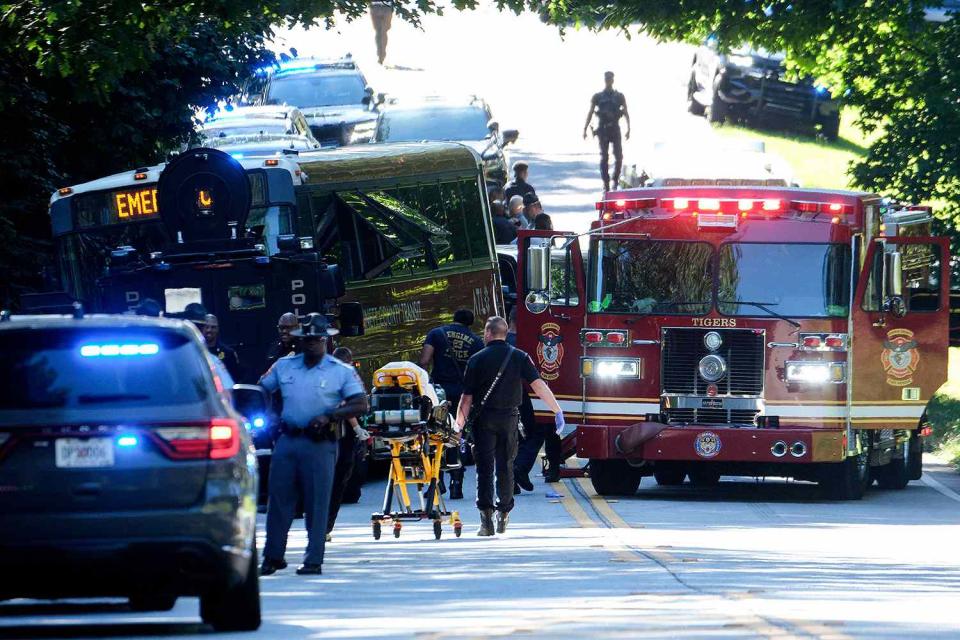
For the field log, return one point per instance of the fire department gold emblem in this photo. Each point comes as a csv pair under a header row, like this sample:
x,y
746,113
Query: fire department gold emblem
x,y
900,357
550,351
707,444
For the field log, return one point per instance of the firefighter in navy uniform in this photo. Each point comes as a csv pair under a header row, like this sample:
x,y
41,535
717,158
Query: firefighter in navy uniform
x,y
609,106
318,392
448,348
492,393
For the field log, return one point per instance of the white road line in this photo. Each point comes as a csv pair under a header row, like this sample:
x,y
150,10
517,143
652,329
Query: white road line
x,y
936,485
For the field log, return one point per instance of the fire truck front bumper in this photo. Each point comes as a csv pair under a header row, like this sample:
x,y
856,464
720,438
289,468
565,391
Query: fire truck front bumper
x,y
716,443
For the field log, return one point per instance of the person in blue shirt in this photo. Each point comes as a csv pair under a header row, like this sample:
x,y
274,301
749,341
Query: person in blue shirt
x,y
318,392
447,349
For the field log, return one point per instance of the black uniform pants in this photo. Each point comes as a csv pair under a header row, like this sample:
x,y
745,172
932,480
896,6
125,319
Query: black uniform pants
x,y
610,136
535,436
494,449
346,460
454,455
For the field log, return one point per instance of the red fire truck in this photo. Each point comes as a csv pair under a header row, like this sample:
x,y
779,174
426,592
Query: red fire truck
x,y
735,330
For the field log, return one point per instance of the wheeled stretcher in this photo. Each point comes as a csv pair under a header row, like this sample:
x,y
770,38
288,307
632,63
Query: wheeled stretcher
x,y
411,420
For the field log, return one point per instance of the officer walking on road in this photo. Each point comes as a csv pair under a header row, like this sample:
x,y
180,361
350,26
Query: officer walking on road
x,y
318,391
448,348
609,106
492,393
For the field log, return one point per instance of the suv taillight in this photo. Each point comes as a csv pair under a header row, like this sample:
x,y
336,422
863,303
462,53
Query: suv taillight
x,y
217,439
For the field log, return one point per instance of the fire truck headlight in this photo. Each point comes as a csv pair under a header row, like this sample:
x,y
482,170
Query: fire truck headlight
x,y
610,368
816,372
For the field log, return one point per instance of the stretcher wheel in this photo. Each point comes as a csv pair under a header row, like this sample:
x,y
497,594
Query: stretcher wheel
x,y
396,530
437,529
376,530
458,529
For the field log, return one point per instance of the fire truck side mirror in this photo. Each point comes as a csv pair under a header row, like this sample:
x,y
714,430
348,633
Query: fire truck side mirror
x,y
538,267
351,319
894,271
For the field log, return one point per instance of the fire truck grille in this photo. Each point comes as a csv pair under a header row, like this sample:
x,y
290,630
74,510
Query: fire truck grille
x,y
711,416
743,352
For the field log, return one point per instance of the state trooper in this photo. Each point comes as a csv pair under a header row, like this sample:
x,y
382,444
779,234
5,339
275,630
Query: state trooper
x,y
318,392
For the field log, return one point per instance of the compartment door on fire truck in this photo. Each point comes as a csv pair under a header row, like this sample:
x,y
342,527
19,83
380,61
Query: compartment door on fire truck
x,y
899,331
550,312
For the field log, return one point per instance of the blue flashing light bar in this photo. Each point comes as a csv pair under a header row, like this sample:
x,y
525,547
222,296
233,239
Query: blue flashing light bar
x,y
258,423
127,441
111,350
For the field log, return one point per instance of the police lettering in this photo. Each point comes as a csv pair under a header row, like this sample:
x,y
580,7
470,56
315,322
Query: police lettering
x,y
714,322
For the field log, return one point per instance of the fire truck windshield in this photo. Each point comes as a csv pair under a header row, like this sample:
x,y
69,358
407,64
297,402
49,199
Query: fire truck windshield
x,y
652,277
794,280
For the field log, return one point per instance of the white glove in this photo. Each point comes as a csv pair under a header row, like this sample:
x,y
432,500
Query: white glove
x,y
361,433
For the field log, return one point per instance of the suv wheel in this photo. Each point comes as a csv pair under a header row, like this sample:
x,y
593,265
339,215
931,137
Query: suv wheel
x,y
693,106
716,111
235,608
830,127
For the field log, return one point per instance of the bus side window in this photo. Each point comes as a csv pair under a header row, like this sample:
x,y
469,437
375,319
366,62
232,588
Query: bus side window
x,y
477,220
438,205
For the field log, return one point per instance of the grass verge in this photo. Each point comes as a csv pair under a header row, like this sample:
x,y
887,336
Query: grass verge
x,y
944,413
815,162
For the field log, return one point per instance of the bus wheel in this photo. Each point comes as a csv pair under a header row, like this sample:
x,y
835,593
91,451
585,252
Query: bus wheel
x,y
847,480
669,474
896,473
704,476
614,477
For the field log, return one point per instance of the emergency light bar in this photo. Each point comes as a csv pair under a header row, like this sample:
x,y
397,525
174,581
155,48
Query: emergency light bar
x,y
743,206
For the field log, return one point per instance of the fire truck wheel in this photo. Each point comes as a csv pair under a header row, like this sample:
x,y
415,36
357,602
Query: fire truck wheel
x,y
669,475
896,473
614,477
847,480
704,477
915,452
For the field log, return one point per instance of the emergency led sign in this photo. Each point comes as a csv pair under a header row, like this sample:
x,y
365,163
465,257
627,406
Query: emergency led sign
x,y
136,203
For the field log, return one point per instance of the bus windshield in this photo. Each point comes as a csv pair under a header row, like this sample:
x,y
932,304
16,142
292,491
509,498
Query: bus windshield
x,y
652,277
793,280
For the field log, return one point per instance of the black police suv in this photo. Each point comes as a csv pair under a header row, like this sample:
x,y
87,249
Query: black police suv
x,y
333,95
124,469
749,84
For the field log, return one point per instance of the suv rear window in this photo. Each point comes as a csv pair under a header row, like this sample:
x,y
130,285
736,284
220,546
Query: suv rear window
x,y
99,369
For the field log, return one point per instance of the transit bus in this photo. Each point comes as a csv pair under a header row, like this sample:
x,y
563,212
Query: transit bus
x,y
407,226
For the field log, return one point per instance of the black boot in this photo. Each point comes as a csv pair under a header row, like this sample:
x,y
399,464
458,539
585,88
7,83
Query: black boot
x,y
502,519
486,523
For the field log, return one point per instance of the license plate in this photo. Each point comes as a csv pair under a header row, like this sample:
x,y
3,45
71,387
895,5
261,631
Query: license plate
x,y
79,453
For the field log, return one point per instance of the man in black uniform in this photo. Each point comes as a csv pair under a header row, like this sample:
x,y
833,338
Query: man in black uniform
x,y
286,344
519,185
229,358
448,348
609,106
493,381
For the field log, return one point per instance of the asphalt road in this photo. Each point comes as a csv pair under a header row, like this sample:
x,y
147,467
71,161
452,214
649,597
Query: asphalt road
x,y
747,560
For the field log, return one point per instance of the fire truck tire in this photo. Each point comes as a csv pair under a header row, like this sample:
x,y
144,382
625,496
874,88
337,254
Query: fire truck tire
x,y
669,475
847,480
915,454
704,477
896,473
614,477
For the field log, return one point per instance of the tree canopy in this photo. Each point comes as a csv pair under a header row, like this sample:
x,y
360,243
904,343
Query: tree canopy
x,y
90,87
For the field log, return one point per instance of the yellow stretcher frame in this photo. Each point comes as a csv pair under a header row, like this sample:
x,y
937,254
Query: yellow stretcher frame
x,y
415,460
